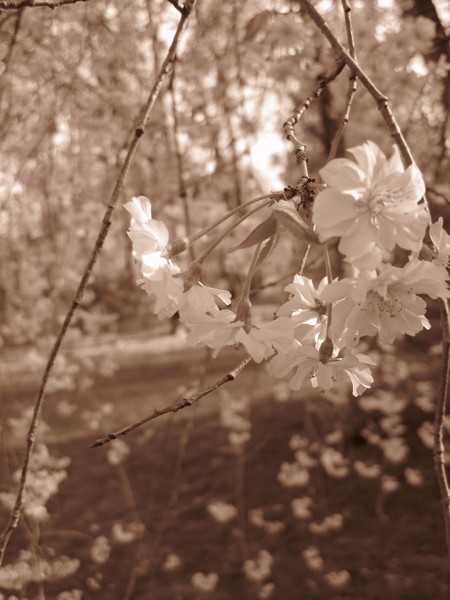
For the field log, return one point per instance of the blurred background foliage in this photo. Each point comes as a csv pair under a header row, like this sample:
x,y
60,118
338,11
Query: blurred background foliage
x,y
73,80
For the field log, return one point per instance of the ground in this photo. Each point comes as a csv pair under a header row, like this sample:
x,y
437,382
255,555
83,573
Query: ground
x,y
136,515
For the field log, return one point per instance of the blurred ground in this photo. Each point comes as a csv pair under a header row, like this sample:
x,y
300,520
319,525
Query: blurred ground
x,y
147,500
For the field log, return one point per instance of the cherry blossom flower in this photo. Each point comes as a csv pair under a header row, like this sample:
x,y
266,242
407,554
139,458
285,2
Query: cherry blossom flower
x,y
371,204
262,340
308,305
214,330
163,287
149,237
199,300
307,364
387,303
441,241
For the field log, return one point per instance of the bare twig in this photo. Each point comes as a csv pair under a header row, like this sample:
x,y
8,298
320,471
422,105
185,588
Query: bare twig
x,y
175,407
352,85
289,125
182,192
380,99
178,5
13,41
15,4
106,223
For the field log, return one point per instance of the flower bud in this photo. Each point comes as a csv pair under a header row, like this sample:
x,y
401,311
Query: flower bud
x,y
326,350
177,246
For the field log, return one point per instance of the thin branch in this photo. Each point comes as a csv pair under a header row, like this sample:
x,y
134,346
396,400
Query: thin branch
x,y
106,223
380,99
182,192
13,41
439,448
15,4
352,85
175,407
178,5
292,121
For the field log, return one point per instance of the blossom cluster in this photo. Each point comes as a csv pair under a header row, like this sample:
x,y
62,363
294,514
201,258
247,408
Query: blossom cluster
x,y
372,207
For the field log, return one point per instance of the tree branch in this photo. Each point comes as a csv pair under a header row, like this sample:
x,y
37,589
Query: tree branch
x,y
292,121
166,68
439,448
175,407
380,99
352,85
15,4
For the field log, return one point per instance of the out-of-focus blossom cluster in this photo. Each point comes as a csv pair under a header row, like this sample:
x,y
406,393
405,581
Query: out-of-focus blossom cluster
x,y
372,206
260,568
234,417
29,568
45,475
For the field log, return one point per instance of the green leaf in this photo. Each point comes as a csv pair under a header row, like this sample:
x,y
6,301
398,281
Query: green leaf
x,y
287,216
264,230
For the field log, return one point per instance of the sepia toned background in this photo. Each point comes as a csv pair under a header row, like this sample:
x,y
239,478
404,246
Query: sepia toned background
x,y
255,491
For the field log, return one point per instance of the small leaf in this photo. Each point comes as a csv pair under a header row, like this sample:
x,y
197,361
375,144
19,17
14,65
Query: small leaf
x,y
267,249
287,216
263,231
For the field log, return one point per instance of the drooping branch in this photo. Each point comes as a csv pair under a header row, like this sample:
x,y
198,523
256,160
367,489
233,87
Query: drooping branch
x,y
439,448
16,4
175,407
165,70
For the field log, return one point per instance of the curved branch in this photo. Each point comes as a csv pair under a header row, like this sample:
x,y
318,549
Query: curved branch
x,y
106,223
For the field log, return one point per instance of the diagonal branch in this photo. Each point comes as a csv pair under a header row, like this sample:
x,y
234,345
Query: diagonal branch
x,y
380,99
15,4
183,403
165,70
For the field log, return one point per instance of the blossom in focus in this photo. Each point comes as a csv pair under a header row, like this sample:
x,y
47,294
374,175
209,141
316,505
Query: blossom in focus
x,y
199,300
387,303
305,360
261,341
214,330
164,288
308,305
149,237
441,241
371,204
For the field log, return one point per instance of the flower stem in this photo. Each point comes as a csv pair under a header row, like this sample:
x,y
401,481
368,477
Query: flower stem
x,y
329,272
180,244
201,259
243,305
